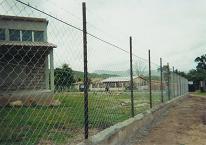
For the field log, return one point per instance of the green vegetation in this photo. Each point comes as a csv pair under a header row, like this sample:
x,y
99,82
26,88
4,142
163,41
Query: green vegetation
x,y
113,73
79,76
199,93
64,123
199,74
63,77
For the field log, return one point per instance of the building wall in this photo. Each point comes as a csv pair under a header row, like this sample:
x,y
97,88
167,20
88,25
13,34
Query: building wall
x,y
138,83
22,70
23,67
23,25
155,85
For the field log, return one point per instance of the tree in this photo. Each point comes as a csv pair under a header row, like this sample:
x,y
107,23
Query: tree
x,y
201,62
166,72
63,77
195,75
198,75
201,69
181,73
139,69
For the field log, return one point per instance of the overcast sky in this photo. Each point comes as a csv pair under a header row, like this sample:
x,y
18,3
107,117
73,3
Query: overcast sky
x,y
172,29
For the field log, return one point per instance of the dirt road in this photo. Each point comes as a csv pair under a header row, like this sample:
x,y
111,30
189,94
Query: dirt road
x,y
184,124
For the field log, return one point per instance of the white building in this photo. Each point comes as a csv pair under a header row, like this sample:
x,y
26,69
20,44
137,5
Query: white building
x,y
118,83
26,58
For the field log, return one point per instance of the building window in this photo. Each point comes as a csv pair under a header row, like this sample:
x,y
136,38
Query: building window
x,y
14,35
26,35
112,85
2,34
119,85
38,36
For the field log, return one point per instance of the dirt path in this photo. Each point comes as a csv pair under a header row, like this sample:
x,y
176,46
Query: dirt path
x,y
184,124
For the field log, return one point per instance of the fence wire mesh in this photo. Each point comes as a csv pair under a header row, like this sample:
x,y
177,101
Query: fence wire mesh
x,y
38,103
41,80
156,83
109,97
141,84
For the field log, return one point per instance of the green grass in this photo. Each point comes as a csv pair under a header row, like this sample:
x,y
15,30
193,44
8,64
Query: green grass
x,y
199,93
63,124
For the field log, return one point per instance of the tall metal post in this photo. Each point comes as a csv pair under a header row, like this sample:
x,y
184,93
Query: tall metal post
x,y
173,79
150,83
52,70
180,85
168,73
177,82
161,80
131,78
47,72
86,116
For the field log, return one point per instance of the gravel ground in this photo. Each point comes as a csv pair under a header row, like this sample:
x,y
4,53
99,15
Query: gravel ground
x,y
182,124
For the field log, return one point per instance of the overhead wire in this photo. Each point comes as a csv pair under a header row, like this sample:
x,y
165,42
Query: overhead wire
x,y
79,29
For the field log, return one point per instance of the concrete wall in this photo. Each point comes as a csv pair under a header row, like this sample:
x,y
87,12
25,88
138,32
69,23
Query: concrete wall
x,y
121,132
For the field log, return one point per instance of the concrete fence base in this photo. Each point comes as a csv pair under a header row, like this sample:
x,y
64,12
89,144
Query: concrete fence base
x,y
121,132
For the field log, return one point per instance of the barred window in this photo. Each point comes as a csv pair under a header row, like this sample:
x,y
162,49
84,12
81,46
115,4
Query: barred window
x,y
2,34
14,35
26,35
38,36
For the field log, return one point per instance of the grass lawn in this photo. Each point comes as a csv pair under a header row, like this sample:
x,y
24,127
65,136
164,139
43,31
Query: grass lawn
x,y
199,93
64,123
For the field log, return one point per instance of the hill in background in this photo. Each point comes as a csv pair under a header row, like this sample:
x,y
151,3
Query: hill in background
x,y
113,73
78,75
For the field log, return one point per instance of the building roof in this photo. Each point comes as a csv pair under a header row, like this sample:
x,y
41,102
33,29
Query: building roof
x,y
20,18
125,79
116,79
27,44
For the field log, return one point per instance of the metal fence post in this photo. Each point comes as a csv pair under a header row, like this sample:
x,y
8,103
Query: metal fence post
x,y
86,116
150,84
131,78
183,86
52,70
173,83
161,81
176,79
168,79
180,85
177,82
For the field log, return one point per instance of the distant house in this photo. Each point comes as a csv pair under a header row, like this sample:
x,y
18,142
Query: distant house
x,y
155,84
119,83
26,58
78,86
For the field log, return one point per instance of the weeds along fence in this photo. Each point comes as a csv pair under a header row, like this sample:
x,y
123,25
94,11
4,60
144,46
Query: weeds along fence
x,y
53,92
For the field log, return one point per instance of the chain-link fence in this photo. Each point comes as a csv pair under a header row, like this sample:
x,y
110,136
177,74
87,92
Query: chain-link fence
x,y
42,80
